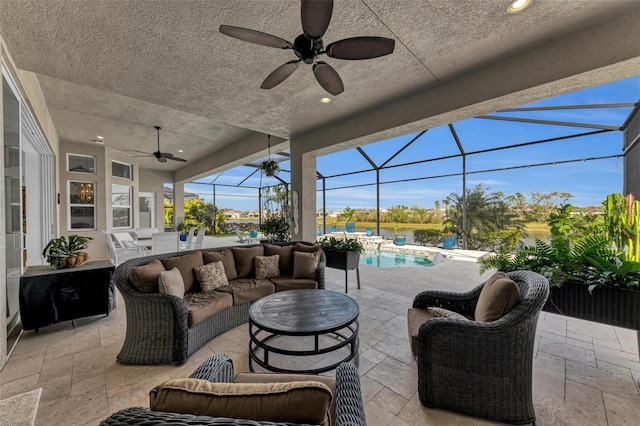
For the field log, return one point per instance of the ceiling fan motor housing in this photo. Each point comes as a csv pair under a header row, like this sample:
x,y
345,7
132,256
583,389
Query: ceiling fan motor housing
x,y
306,48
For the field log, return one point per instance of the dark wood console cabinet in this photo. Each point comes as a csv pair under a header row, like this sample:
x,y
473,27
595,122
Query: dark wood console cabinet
x,y
49,296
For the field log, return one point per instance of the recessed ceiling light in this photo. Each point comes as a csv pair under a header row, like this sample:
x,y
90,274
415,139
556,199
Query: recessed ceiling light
x,y
100,137
519,6
325,100
180,150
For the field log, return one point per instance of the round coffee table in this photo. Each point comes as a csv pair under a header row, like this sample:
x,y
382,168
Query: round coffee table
x,y
322,314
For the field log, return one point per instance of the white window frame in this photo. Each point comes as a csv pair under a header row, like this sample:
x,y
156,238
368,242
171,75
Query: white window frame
x,y
93,205
120,206
69,154
124,164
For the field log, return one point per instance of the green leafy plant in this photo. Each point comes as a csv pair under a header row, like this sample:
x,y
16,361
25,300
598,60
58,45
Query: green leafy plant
x,y
276,228
622,221
58,249
269,167
341,244
348,213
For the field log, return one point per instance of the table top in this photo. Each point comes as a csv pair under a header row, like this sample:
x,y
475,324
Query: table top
x,y
304,311
36,270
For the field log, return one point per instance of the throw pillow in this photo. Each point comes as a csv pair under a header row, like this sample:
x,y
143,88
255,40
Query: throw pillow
x,y
305,264
286,256
306,248
211,276
170,282
224,256
244,260
499,295
185,265
304,402
267,267
145,277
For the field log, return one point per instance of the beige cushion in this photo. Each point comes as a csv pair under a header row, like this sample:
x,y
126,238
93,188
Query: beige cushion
x,y
415,318
211,276
247,289
499,295
305,264
306,248
283,283
244,260
295,402
224,256
145,277
204,304
185,265
267,267
283,377
170,282
286,256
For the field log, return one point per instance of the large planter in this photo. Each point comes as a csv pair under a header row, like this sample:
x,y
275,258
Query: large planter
x,y
449,241
350,226
341,259
399,240
607,305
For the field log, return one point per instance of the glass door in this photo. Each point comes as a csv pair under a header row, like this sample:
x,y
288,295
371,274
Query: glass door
x,y
147,210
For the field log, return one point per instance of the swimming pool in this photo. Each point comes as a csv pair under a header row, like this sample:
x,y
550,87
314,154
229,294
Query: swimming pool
x,y
387,259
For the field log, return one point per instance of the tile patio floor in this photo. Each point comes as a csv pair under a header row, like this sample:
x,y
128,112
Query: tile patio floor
x,y
584,373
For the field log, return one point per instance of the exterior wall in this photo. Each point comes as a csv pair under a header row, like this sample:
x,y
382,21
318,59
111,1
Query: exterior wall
x,y
303,187
632,157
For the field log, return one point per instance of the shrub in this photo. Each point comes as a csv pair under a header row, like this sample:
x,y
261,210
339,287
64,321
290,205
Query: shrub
x,y
427,237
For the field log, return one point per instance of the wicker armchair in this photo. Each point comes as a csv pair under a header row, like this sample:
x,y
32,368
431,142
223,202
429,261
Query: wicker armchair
x,y
219,368
483,369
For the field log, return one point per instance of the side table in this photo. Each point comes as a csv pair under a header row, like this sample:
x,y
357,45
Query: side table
x,y
48,296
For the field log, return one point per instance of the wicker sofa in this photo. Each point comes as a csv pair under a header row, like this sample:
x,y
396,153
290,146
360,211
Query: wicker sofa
x,y
347,408
161,328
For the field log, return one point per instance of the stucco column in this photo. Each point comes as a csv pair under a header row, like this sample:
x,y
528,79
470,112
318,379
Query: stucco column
x,y
178,203
303,193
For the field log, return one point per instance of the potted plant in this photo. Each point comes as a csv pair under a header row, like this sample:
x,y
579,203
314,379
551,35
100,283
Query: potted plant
x,y
276,229
398,239
449,239
269,167
348,216
341,253
63,253
182,229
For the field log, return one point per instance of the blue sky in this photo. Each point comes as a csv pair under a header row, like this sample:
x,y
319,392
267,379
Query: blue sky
x,y
588,181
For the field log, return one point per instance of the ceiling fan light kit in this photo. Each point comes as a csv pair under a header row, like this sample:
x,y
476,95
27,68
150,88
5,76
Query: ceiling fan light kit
x,y
160,156
308,46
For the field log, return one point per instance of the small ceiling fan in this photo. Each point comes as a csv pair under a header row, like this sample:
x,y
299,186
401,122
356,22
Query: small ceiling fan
x,y
315,15
161,156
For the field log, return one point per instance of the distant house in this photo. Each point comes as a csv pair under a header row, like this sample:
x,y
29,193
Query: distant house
x,y
168,195
233,214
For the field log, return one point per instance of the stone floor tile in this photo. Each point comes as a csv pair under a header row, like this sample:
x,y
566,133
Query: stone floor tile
x,y
390,401
378,416
622,411
55,391
88,385
576,353
55,368
616,381
372,355
21,366
416,414
621,358
397,376
370,388
18,386
75,410
395,347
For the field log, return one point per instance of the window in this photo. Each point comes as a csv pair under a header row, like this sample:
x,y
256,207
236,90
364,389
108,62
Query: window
x,y
121,170
121,206
82,208
147,210
78,163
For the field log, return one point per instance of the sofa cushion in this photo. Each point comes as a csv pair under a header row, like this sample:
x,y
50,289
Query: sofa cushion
x,y
224,256
244,260
246,290
170,282
296,402
306,248
185,265
305,264
267,267
283,378
499,295
204,304
287,282
286,256
145,277
211,276
415,318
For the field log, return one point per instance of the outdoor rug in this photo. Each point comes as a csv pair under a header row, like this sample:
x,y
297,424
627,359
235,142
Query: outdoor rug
x,y
20,410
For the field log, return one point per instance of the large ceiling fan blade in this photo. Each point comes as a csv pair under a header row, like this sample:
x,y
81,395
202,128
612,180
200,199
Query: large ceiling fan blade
x,y
316,15
360,48
175,158
141,152
328,78
279,75
255,37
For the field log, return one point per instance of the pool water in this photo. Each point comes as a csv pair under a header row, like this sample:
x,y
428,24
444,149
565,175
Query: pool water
x,y
386,259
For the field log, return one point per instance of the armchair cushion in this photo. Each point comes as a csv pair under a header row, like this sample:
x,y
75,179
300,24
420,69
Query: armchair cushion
x,y
224,256
185,265
211,276
286,256
499,296
204,304
415,318
267,267
145,277
170,282
244,260
295,402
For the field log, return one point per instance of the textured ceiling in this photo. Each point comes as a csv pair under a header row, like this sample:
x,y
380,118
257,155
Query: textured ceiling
x,y
116,68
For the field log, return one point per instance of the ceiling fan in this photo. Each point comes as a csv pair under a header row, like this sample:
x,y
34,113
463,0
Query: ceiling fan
x,y
315,15
161,156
